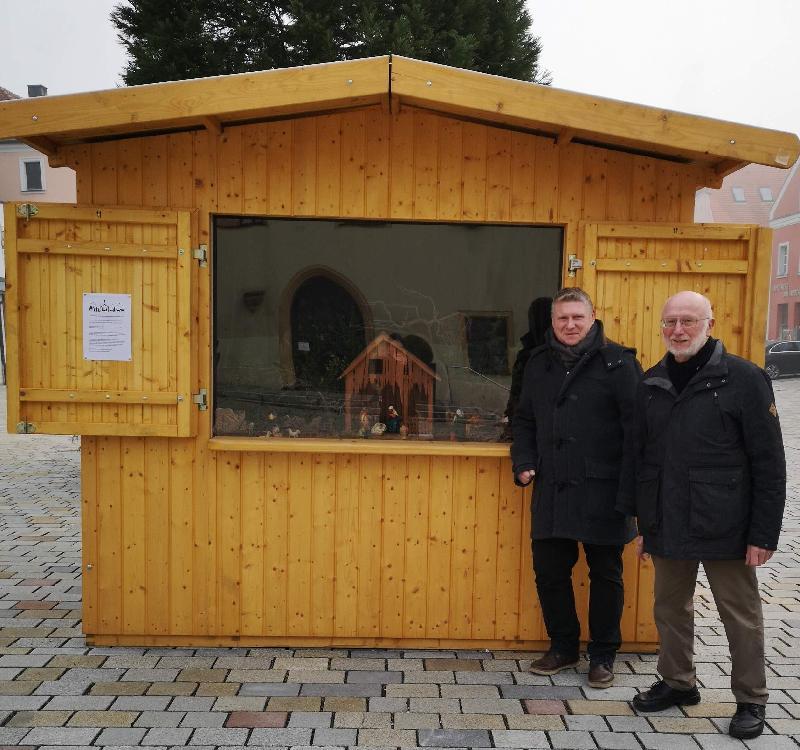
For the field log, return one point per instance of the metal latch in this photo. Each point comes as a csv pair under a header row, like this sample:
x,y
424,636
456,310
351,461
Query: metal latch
x,y
574,263
27,210
201,399
201,254
26,428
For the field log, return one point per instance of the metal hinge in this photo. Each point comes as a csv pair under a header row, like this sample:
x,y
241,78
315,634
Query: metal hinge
x,y
26,428
574,263
27,210
201,254
201,399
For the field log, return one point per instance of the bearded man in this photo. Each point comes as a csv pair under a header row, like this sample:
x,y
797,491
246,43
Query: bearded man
x,y
710,489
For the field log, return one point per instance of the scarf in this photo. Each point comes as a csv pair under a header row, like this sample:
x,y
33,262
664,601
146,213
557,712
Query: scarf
x,y
569,355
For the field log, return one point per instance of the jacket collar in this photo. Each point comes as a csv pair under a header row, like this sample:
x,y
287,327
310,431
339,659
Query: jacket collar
x,y
711,374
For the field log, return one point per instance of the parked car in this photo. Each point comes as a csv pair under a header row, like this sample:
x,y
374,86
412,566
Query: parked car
x,y
783,358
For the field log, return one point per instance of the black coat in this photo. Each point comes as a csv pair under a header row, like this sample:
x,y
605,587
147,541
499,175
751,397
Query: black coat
x,y
711,472
576,430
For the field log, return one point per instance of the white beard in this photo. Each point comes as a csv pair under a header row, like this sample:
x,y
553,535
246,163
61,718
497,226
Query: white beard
x,y
694,347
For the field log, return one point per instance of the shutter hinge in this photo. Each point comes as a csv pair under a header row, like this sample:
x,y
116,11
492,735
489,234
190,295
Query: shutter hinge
x,y
26,428
27,210
574,263
201,254
201,399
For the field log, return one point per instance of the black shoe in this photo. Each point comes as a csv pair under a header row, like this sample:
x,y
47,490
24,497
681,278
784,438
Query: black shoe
x,y
748,721
661,696
553,662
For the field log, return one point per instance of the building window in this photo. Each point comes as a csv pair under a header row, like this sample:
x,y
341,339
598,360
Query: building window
x,y
487,343
766,194
31,175
372,329
783,321
738,194
783,259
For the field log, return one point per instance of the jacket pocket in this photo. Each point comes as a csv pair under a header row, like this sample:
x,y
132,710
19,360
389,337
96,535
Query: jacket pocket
x,y
717,507
602,484
648,499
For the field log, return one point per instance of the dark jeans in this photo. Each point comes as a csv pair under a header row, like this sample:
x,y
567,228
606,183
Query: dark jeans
x,y
553,560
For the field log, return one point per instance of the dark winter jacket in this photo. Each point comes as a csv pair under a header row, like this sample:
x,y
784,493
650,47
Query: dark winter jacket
x,y
711,473
576,430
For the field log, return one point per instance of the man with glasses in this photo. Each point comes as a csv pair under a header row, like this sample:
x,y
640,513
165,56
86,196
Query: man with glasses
x,y
711,486
573,430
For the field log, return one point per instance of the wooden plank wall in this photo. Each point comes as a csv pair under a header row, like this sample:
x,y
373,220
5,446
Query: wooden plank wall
x,y
336,548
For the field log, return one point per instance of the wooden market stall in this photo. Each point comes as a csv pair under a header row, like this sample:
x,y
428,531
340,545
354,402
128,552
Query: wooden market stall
x,y
262,538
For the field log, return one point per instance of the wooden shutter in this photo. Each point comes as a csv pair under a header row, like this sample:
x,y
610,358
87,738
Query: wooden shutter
x,y
631,269
54,255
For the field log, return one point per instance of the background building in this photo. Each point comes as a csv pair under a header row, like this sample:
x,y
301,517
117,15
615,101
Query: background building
x,y
784,307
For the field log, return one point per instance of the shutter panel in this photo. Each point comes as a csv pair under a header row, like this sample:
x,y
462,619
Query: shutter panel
x,y
55,254
630,269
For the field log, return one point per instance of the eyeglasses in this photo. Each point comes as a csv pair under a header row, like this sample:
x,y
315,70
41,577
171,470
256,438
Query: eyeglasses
x,y
686,323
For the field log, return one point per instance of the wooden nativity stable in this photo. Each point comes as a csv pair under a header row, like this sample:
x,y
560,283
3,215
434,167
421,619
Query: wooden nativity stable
x,y
307,178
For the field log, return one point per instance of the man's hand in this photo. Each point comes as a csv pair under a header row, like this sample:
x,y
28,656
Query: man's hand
x,y
525,477
640,549
756,556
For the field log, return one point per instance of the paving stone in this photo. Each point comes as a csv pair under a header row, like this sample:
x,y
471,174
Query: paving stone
x,y
10,736
489,706
237,703
616,741
600,708
586,723
470,691
681,726
372,677
171,688
710,709
103,718
303,675
519,738
306,664
40,673
433,677
141,703
636,724
407,720
785,726
434,705
38,719
252,719
313,719
14,687
452,738
362,719
119,688
192,703
472,721
203,719
278,737
218,688
545,722
201,675
160,719
219,736
120,737
572,740
412,691
533,706
167,736
388,737
267,689
454,665
279,703
344,704
349,689
60,736
658,741
335,737
21,702
388,704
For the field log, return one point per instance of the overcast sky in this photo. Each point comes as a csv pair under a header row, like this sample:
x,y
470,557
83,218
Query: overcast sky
x,y
732,59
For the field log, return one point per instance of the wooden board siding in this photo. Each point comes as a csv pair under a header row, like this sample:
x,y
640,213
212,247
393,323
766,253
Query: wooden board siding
x,y
316,548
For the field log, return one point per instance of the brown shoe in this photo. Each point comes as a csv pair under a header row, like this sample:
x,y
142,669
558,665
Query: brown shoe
x,y
553,662
601,674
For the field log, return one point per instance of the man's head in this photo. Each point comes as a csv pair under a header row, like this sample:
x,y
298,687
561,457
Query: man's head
x,y
686,323
572,315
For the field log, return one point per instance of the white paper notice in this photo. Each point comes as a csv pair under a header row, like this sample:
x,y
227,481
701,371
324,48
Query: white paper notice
x,y
107,326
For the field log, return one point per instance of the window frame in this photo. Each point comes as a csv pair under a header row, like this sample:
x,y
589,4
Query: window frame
x,y
736,192
23,174
782,265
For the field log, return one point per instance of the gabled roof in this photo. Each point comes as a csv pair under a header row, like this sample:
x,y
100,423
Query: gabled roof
x,y
6,95
788,202
721,205
384,338
48,122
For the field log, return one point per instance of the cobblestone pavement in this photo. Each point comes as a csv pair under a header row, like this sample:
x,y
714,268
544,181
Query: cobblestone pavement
x,y
57,692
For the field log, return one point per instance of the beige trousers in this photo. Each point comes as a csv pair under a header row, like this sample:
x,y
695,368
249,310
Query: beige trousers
x,y
735,589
